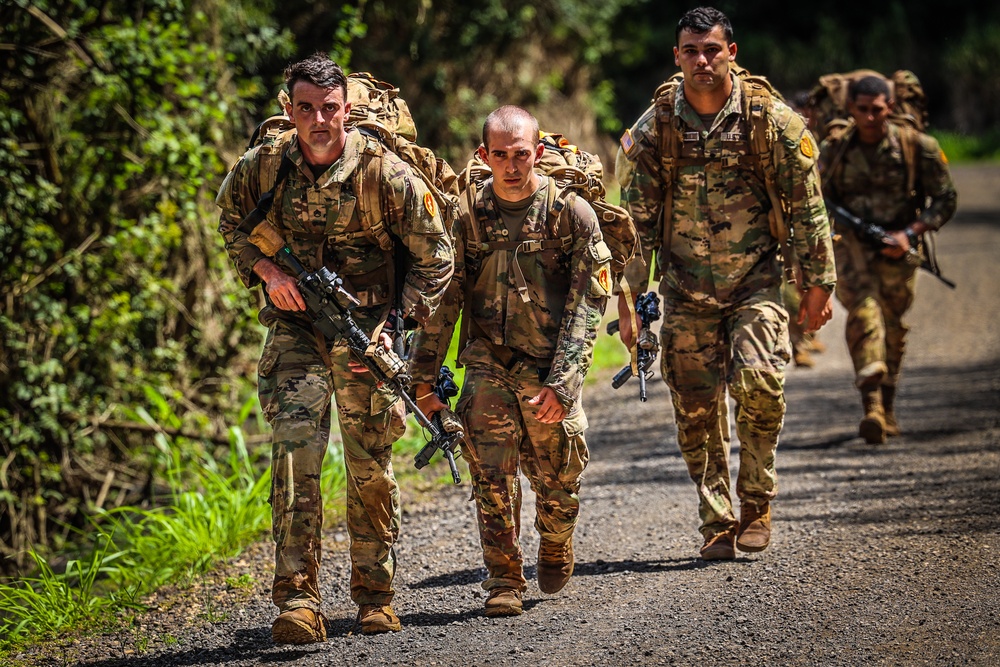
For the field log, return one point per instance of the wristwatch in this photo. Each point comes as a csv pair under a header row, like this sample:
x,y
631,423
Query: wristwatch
x,y
912,237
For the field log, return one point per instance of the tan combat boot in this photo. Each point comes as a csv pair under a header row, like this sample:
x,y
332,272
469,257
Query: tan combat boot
x,y
298,626
719,547
872,426
504,602
555,564
754,532
888,404
376,618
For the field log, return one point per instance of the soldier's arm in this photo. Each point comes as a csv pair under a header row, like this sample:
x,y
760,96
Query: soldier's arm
x,y
238,197
415,219
799,184
430,342
638,174
936,183
590,287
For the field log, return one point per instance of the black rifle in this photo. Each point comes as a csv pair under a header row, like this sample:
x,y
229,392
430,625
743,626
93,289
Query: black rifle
x,y
648,308
444,388
876,236
330,305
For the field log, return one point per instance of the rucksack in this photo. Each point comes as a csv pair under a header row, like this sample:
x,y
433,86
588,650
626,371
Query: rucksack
x,y
382,115
758,96
573,172
826,104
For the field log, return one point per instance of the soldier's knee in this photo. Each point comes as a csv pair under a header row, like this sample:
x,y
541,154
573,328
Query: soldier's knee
x,y
759,392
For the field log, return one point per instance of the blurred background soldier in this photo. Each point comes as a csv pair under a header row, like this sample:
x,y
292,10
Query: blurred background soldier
x,y
881,169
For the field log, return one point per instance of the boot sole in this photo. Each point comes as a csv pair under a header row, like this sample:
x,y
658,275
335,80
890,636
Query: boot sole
x,y
872,430
495,612
378,629
751,548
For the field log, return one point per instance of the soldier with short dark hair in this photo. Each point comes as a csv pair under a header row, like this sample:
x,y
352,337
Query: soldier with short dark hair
x,y
716,206
897,177
319,214
532,305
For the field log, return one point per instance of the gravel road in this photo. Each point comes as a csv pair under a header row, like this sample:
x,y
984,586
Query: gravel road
x,y
881,554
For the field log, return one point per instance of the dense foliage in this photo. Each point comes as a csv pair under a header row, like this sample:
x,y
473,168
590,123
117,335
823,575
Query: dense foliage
x,y
115,117
119,315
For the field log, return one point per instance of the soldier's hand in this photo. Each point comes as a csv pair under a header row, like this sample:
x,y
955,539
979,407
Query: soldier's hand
x,y
816,309
896,245
628,324
550,410
427,400
281,287
356,366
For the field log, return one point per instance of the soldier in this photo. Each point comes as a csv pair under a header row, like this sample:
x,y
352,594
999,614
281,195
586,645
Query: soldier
x,y
532,304
897,177
700,191
319,215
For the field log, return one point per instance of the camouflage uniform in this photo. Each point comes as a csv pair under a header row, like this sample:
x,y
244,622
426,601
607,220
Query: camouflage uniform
x,y
877,290
516,347
723,319
299,372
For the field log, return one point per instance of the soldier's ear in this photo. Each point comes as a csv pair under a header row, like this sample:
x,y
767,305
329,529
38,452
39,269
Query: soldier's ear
x,y
481,152
732,52
539,150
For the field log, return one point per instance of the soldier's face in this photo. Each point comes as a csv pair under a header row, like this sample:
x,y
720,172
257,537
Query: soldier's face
x,y
319,114
512,156
871,115
704,58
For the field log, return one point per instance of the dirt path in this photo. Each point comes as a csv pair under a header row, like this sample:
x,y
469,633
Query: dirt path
x,y
881,555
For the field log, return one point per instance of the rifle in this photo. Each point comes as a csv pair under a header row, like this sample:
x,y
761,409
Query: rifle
x,y
330,305
445,388
648,308
876,235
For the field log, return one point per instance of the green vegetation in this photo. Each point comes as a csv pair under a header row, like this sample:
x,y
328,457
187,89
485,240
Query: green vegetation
x,y
963,148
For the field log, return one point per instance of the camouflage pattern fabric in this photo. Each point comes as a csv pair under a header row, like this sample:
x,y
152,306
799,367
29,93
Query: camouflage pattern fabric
x,y
876,290
721,247
723,319
704,350
503,435
299,372
550,341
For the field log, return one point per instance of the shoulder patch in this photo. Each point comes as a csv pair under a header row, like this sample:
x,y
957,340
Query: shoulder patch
x,y
627,141
429,204
944,158
604,278
806,146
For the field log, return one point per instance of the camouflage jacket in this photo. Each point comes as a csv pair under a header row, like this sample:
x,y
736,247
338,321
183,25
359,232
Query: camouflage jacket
x,y
721,247
555,323
878,192
320,221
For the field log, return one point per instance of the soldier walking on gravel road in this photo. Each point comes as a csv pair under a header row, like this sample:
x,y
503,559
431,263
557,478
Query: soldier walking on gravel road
x,y
717,173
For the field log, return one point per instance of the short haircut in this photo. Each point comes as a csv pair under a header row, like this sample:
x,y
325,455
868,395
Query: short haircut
x,y
869,85
508,118
318,70
702,19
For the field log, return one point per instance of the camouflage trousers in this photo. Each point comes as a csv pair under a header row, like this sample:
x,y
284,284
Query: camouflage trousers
x,y
877,292
503,433
296,385
705,349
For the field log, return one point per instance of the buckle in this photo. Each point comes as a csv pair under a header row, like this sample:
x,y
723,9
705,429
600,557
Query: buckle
x,y
534,245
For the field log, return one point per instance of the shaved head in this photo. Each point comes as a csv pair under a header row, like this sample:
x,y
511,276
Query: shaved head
x,y
508,119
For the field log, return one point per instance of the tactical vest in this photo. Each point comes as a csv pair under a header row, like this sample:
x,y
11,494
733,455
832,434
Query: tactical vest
x,y
759,160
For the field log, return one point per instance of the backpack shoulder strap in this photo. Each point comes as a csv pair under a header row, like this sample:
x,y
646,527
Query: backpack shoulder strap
x,y
368,190
909,142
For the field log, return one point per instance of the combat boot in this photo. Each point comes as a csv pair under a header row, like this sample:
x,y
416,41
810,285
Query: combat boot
x,y
555,564
802,358
504,602
888,406
376,618
754,532
719,547
298,626
872,426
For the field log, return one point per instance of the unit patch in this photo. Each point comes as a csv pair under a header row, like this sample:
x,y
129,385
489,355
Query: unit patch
x,y
806,146
604,278
429,204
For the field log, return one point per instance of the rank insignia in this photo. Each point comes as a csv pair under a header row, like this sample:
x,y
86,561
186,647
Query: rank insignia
x,y
806,146
604,278
429,204
626,141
